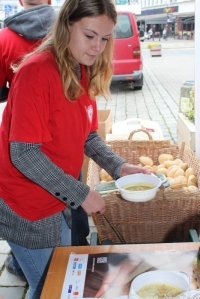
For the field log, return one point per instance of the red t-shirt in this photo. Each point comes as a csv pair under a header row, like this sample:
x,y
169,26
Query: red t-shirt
x,y
38,112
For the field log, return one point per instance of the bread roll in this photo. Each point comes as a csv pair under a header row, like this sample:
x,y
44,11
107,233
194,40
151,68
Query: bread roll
x,y
174,166
192,180
164,157
179,172
104,176
178,182
146,160
169,163
183,180
184,166
154,168
175,171
189,171
162,170
179,161
147,166
160,165
192,189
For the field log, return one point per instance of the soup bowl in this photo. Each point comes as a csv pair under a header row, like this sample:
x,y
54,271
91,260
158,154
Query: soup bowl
x,y
176,279
138,196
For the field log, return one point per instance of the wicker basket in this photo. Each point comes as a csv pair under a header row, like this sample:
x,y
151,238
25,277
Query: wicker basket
x,y
166,218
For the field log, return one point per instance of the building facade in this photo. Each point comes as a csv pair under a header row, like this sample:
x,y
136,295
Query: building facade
x,y
177,17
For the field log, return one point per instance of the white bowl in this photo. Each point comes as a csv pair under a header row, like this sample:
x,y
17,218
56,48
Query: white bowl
x,y
178,279
138,196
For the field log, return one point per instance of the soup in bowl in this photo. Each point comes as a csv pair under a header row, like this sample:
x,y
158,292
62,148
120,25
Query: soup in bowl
x,y
159,284
138,187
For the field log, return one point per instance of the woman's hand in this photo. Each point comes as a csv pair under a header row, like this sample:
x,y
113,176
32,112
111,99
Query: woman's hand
x,y
132,169
118,277
94,203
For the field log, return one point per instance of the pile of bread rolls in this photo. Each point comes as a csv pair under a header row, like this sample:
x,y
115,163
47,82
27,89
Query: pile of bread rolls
x,y
178,174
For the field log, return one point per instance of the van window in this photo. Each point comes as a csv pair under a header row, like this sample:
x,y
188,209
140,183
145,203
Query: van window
x,y
123,28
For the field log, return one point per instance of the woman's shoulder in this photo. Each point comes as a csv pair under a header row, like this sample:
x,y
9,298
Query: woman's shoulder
x,y
46,57
40,67
40,63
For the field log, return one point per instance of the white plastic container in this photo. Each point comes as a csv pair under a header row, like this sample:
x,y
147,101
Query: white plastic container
x,y
138,196
178,279
121,130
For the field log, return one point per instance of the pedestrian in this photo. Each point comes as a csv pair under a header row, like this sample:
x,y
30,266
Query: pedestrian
x,y
164,33
23,32
150,32
49,122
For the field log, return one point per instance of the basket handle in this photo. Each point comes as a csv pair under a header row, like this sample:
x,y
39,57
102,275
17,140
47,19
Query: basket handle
x,y
140,130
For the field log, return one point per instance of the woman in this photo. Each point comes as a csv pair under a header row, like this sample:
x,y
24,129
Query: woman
x,y
49,122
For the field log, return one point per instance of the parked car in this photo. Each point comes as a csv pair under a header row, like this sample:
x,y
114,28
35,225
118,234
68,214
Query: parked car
x,y
127,60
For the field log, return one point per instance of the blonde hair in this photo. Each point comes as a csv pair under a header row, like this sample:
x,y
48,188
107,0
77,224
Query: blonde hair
x,y
100,73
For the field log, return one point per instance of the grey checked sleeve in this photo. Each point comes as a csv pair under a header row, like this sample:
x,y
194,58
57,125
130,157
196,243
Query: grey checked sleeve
x,y
96,149
35,165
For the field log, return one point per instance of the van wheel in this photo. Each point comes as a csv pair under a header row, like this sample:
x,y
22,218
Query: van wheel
x,y
138,84
138,88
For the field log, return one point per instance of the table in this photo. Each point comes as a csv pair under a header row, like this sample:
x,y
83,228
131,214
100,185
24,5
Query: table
x,y
57,269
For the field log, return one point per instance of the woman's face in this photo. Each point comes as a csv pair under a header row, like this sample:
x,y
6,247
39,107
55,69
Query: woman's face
x,y
88,38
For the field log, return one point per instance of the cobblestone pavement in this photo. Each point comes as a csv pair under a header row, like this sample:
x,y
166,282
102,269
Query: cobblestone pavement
x,y
157,101
160,96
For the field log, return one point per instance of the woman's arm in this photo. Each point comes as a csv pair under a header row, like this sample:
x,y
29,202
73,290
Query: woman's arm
x,y
96,149
35,165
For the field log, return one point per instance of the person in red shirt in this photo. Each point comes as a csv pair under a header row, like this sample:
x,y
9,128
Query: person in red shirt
x,y
22,33
49,123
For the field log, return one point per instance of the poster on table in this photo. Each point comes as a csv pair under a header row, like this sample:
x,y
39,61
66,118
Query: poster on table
x,y
109,275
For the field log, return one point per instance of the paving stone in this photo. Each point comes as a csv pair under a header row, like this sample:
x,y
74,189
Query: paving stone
x,y
4,247
8,279
2,260
11,293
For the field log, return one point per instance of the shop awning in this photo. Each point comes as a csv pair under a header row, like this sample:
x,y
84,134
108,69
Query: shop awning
x,y
161,20
188,20
157,19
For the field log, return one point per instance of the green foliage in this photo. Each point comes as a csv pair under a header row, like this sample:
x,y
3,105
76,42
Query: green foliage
x,y
149,46
190,114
